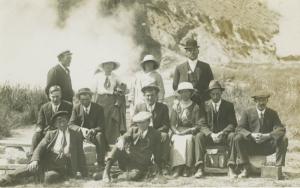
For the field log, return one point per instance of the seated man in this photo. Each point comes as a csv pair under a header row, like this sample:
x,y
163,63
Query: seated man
x,y
88,118
260,132
160,117
58,156
221,123
46,112
135,148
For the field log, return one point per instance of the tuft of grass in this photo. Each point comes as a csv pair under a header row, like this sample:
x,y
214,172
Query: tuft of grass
x,y
19,106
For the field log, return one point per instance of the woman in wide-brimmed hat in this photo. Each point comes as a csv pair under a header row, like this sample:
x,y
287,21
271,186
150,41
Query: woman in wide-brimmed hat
x,y
110,94
184,124
149,66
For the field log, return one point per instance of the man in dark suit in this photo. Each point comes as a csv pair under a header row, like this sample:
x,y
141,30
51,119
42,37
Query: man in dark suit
x,y
135,148
88,118
46,112
60,75
58,156
260,132
197,72
160,117
220,127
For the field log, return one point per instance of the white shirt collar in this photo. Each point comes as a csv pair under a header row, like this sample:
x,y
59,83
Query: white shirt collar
x,y
65,69
192,64
260,112
87,109
151,107
216,105
55,107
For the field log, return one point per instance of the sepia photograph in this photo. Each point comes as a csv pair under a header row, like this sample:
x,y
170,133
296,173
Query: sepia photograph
x,y
149,93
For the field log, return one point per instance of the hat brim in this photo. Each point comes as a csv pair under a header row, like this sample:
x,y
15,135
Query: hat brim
x,y
83,93
59,114
156,64
192,90
261,96
221,88
116,64
150,87
191,47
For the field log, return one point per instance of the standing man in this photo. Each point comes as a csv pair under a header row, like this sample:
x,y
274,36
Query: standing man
x,y
135,148
160,117
58,156
46,112
260,132
220,127
60,75
197,72
88,118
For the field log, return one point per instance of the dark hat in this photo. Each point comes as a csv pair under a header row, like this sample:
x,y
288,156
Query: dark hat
x,y
215,84
84,91
260,94
54,88
191,43
58,114
150,58
150,86
67,52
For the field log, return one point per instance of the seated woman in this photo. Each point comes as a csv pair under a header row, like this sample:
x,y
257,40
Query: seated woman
x,y
185,122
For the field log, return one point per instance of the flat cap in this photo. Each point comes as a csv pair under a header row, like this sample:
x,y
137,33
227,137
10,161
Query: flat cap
x,y
261,94
84,91
141,117
58,114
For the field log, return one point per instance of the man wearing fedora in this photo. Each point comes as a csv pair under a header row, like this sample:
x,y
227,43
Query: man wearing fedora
x,y
46,112
60,75
135,148
160,117
58,156
149,67
195,71
259,132
88,118
220,127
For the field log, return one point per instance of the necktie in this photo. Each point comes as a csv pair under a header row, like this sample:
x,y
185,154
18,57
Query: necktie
x,y
261,119
107,83
67,71
215,108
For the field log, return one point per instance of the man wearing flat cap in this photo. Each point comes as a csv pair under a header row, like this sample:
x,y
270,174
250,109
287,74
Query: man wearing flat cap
x,y
135,148
58,156
60,75
220,127
160,116
88,118
259,132
46,112
195,71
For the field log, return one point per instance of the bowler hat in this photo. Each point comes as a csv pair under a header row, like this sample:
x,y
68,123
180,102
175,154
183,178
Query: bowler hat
x,y
67,52
150,58
215,84
116,64
141,117
185,86
260,94
58,114
191,43
84,91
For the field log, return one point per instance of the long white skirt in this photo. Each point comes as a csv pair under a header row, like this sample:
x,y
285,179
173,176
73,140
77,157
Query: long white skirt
x,y
182,150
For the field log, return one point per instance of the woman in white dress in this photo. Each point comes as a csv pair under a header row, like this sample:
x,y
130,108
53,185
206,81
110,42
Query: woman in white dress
x,y
184,124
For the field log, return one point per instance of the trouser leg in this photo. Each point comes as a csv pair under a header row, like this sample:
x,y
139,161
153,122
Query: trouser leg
x,y
36,138
99,141
165,147
239,154
281,149
200,149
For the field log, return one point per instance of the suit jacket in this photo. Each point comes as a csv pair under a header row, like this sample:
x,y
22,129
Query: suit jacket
x,y
95,119
58,76
77,157
226,119
46,112
142,149
160,115
271,123
200,78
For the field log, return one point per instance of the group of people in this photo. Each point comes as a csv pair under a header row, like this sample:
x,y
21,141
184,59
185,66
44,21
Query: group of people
x,y
174,137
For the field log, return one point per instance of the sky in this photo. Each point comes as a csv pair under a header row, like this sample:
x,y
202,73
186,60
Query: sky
x,y
30,39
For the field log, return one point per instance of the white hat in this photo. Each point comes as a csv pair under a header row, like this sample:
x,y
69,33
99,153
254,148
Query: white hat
x,y
185,86
149,82
150,58
141,117
116,64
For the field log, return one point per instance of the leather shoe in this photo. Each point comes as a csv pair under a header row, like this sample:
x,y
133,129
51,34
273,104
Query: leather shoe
x,y
199,173
243,174
177,172
186,172
231,173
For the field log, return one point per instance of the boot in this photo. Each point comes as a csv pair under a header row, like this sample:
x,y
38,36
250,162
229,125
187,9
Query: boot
x,y
231,173
106,173
178,171
244,173
200,172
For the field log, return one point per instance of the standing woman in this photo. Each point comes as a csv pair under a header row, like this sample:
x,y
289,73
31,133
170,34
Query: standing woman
x,y
110,94
186,119
149,66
